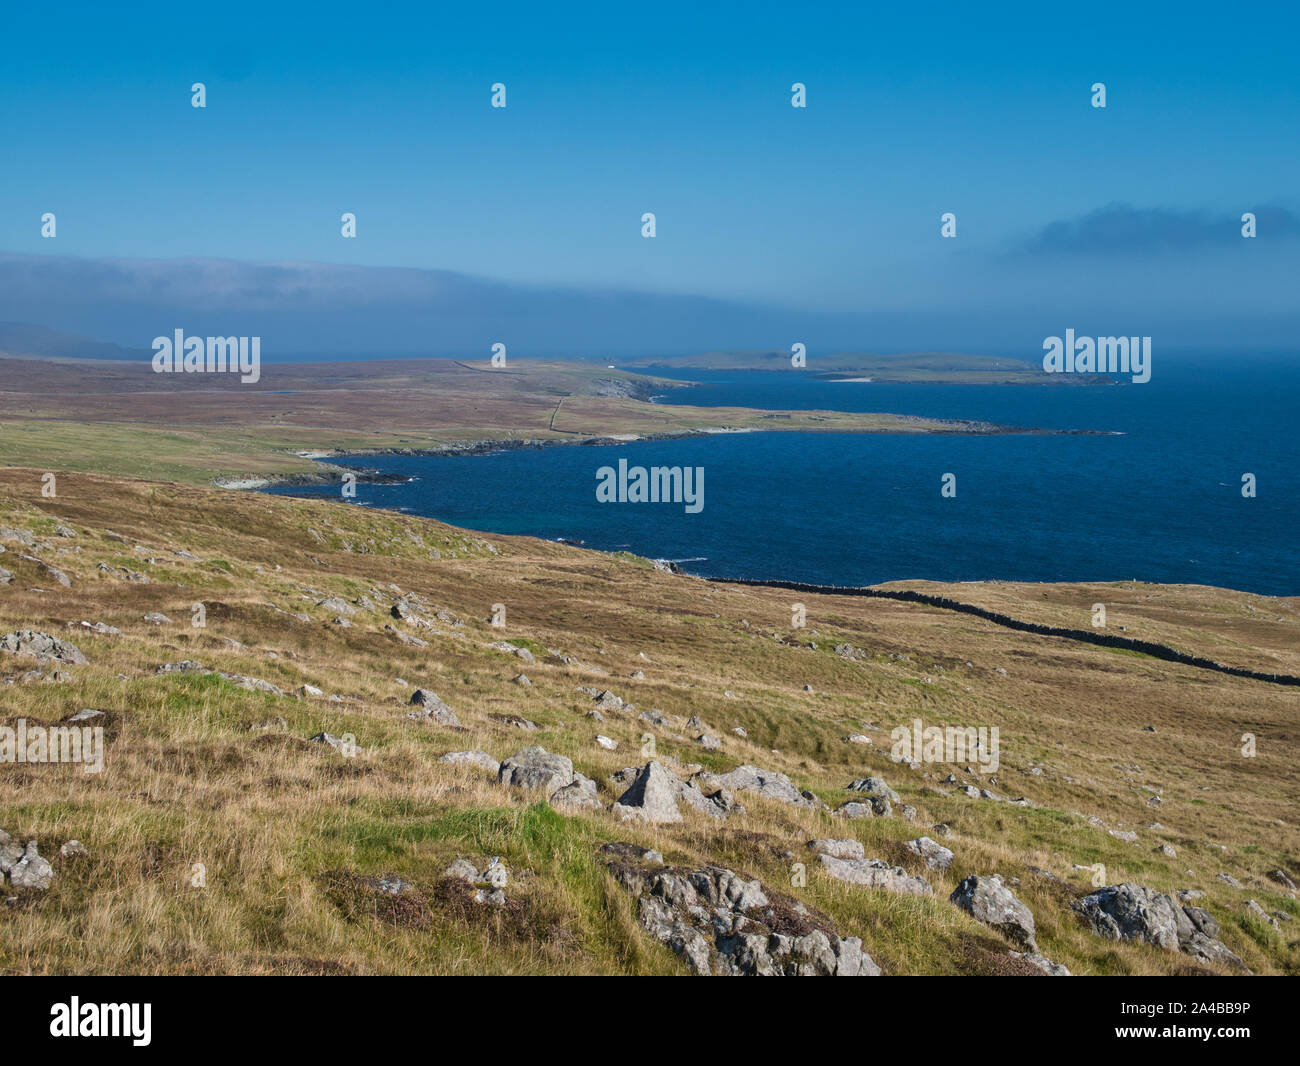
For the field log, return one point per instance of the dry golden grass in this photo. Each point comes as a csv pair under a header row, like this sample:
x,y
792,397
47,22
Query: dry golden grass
x,y
284,828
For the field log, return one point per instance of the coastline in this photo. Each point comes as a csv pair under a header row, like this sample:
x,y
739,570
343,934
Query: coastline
x,y
959,427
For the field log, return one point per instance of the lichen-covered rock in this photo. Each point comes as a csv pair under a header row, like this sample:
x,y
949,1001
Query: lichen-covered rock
x,y
721,923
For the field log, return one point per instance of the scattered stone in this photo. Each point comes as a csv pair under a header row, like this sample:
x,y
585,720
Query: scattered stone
x,y
853,809
157,618
490,882
739,731
513,649
1052,969
606,743
857,738
579,794
1167,850
766,783
252,684
607,701
73,849
30,871
407,638
308,691
1280,877
330,740
1261,914
521,679
708,742
338,605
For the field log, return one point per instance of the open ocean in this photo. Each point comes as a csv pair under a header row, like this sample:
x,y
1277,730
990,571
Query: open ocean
x,y
1157,499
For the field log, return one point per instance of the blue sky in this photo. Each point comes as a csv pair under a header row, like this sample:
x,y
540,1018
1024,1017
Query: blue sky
x,y
683,110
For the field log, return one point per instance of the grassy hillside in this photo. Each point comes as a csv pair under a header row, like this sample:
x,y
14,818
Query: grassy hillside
x,y
205,774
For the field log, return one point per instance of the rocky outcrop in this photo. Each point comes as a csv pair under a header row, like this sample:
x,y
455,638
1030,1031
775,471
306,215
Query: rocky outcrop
x,y
875,873
1134,912
721,923
42,647
988,900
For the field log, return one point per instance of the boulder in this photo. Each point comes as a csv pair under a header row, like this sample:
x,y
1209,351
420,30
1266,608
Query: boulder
x,y
480,759
652,796
1135,912
839,849
31,871
431,707
936,856
988,900
767,783
538,768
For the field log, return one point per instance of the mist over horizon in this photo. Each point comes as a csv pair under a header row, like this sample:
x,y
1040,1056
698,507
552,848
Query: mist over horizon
x,y
339,311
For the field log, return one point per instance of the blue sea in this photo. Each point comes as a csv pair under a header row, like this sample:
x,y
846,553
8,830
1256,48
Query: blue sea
x,y
1157,496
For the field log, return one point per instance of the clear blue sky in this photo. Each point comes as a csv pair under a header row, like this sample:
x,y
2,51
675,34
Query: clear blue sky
x,y
679,109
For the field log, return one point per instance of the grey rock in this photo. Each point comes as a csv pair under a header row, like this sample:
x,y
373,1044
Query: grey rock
x,y
988,900
767,783
538,768
875,873
42,647
1052,969
720,923
839,849
480,759
936,856
31,871
652,796
431,707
